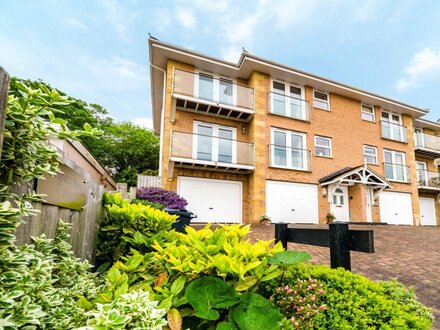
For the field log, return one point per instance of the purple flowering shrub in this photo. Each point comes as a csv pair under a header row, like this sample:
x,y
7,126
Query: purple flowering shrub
x,y
161,196
299,303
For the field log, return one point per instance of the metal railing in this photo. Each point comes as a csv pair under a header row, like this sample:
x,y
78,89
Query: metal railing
x,y
428,179
397,172
199,147
289,106
394,132
422,140
206,87
290,158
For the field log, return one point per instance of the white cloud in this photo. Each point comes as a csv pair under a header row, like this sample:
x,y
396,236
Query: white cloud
x,y
162,19
117,73
231,53
143,122
75,23
119,18
424,65
186,18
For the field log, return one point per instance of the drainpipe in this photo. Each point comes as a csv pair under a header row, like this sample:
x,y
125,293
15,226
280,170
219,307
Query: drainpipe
x,y
162,115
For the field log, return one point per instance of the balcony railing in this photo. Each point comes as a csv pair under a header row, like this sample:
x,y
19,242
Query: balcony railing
x,y
428,179
289,106
394,132
211,152
427,145
397,172
213,96
290,158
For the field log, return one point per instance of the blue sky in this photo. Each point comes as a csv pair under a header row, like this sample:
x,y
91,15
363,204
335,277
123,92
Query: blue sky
x,y
97,50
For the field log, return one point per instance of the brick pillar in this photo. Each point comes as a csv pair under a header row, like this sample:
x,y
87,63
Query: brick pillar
x,y
411,159
260,135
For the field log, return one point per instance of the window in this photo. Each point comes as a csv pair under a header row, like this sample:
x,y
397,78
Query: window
x,y
338,198
392,128
321,100
287,100
367,112
419,138
370,155
288,149
216,89
395,168
422,173
214,143
323,146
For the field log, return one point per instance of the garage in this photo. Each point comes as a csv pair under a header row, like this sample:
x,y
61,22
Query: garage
x,y
427,211
290,202
212,200
396,208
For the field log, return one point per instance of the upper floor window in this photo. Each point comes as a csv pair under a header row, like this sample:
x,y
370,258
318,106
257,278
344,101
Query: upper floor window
x,y
216,89
288,149
323,146
214,142
288,100
367,112
392,128
321,100
370,155
395,168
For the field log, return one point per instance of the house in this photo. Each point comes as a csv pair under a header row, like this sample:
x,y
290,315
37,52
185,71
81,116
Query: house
x,y
242,140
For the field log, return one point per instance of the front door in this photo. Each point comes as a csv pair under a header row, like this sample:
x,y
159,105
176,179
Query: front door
x,y
368,203
339,203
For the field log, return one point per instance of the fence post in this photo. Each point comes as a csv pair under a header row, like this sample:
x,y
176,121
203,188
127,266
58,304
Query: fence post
x,y
339,240
281,234
132,193
122,188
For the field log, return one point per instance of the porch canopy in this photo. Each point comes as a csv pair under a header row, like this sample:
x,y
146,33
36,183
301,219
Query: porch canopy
x,y
349,176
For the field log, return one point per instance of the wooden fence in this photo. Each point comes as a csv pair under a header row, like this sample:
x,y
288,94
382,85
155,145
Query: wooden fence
x,y
84,223
146,181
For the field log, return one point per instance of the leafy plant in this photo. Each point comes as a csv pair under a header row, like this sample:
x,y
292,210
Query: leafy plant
x,y
126,226
148,203
299,303
354,302
40,284
133,310
169,199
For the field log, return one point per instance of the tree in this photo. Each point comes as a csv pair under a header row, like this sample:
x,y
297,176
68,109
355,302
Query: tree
x,y
124,149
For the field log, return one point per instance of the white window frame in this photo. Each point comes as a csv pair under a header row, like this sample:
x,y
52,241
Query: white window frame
x,y
390,114
215,140
419,136
368,113
329,147
289,133
317,106
375,154
425,170
287,96
215,86
393,159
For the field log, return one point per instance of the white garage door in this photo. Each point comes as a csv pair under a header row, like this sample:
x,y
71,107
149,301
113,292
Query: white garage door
x,y
427,211
212,200
291,202
395,208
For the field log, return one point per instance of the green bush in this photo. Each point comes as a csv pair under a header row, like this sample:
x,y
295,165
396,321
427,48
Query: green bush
x,y
148,203
126,226
354,302
40,285
130,311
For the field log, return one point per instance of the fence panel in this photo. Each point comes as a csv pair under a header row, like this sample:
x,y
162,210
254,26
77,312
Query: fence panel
x,y
147,181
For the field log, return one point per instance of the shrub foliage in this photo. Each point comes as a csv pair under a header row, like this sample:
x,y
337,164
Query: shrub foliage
x,y
161,196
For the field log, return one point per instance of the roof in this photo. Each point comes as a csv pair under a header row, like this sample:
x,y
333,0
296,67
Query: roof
x,y
351,175
161,52
334,175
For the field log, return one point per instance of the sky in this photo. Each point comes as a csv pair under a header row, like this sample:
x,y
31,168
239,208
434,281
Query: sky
x,y
97,50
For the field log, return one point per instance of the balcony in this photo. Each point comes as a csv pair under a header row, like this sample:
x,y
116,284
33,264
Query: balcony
x,y
289,106
427,145
290,158
397,172
197,151
203,93
395,132
427,180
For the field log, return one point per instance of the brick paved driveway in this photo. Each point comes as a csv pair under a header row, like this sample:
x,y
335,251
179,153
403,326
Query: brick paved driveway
x,y
410,254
